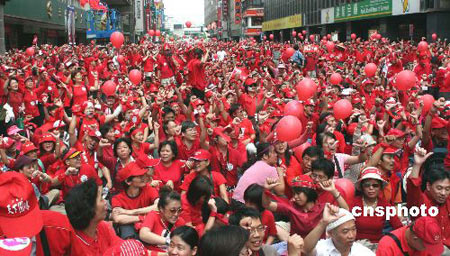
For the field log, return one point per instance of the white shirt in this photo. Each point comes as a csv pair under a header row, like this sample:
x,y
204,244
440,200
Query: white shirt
x,y
325,247
221,55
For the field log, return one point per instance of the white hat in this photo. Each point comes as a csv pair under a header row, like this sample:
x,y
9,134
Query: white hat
x,y
346,217
369,173
347,92
368,139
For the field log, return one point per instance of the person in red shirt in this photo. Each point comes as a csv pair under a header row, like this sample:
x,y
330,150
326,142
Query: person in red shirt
x,y
197,76
189,143
49,150
134,200
252,98
369,188
422,238
140,147
322,170
13,94
201,167
166,66
170,169
86,209
30,223
252,197
157,225
435,193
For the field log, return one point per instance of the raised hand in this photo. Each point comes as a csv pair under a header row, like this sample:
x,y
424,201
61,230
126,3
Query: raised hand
x,y
421,155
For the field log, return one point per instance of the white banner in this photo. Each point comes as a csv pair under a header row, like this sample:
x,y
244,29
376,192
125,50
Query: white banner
x,y
139,14
401,7
327,15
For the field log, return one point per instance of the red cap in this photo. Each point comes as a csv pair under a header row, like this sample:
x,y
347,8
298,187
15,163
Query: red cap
x,y
18,246
127,247
303,181
47,137
309,102
352,127
95,134
197,103
19,210
390,150
219,131
201,155
28,147
7,142
250,81
131,169
144,161
429,231
396,132
437,123
71,154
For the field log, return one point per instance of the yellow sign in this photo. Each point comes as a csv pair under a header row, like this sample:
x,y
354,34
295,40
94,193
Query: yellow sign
x,y
283,23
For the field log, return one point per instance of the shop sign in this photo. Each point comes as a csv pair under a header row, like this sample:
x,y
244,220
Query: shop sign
x,y
401,7
283,23
365,9
327,15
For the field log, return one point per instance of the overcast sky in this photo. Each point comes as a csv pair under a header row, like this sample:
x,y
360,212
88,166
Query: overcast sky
x,y
185,10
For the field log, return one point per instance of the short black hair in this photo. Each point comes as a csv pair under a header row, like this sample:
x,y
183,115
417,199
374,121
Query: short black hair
x,y
166,194
118,141
187,234
236,217
104,129
434,175
313,151
233,108
173,146
187,125
200,186
325,165
167,110
253,194
80,204
223,241
262,149
321,136
222,208
311,194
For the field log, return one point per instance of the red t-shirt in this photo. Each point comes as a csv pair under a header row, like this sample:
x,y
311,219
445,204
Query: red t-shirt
x,y
249,103
154,222
227,164
217,179
70,181
106,238
164,67
146,197
197,76
388,247
143,149
183,152
80,94
174,173
268,220
301,222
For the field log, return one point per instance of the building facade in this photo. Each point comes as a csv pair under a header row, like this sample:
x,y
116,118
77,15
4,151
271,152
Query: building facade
x,y
395,19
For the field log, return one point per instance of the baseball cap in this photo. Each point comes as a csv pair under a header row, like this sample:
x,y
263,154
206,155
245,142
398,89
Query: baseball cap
x,y
28,147
17,246
144,161
19,211
22,161
47,137
429,231
7,142
396,132
72,153
13,130
250,81
96,134
219,131
390,151
131,169
127,247
201,155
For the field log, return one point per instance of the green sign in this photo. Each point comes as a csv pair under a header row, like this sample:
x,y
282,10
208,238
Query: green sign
x,y
365,9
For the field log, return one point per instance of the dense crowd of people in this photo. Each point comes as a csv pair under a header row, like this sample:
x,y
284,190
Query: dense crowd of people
x,y
177,148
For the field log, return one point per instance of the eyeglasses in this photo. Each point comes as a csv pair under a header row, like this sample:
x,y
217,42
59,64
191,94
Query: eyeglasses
x,y
175,211
260,229
319,177
374,185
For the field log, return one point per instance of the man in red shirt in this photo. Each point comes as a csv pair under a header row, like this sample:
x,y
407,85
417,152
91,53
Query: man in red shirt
x,y
189,143
20,216
197,75
422,238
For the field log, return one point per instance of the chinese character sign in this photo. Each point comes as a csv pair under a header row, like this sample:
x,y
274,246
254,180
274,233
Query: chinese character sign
x,y
363,10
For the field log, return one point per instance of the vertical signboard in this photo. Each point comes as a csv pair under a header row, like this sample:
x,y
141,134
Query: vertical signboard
x,y
138,13
237,12
401,7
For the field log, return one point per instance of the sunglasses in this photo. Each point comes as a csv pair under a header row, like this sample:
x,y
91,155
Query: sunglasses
x,y
175,211
374,185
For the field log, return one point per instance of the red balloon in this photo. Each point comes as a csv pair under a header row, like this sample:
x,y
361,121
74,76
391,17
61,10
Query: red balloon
x,y
271,36
336,79
353,36
324,38
188,24
294,33
216,56
378,36
289,128
330,46
265,37
151,32
121,59
298,151
157,33
304,32
301,36
347,187
358,40
423,46
434,36
428,101
405,80
290,51
370,69
329,36
117,39
30,51
342,109
135,76
293,108
306,89
109,88
311,38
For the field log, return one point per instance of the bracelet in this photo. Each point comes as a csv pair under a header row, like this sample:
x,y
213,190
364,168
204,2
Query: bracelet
x,y
213,214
